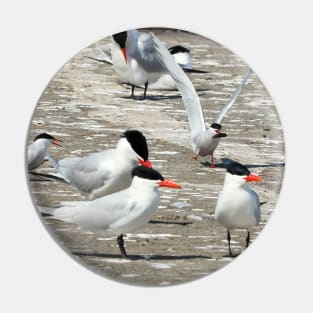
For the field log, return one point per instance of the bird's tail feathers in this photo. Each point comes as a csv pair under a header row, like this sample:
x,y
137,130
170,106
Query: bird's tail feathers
x,y
107,58
46,210
193,70
56,165
65,211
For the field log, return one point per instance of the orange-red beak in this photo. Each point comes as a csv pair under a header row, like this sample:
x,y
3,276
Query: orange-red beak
x,y
169,184
145,163
124,54
56,142
253,177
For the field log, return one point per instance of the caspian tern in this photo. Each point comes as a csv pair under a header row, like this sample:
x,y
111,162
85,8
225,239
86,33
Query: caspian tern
x,y
105,172
238,206
134,61
120,212
37,150
204,140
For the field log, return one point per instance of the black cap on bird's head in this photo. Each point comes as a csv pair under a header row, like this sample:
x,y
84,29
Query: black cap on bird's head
x,y
147,173
54,140
44,136
217,128
178,49
139,144
236,168
120,38
151,174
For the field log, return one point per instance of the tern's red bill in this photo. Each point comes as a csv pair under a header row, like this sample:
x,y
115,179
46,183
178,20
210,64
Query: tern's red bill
x,y
146,163
253,177
169,184
56,142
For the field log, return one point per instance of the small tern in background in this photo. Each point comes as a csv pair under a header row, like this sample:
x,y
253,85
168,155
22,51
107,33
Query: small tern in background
x,y
37,150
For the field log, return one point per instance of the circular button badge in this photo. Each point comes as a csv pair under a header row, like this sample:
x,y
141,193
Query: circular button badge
x,y
155,156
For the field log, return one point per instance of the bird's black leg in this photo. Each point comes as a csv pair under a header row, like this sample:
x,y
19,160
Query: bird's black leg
x,y
228,239
132,95
145,91
120,242
248,239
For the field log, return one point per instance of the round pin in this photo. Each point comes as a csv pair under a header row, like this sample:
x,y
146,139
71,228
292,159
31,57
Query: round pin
x,y
155,156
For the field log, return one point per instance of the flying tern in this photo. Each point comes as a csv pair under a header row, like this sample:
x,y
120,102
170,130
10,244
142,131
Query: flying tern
x,y
37,150
204,140
238,206
120,212
105,172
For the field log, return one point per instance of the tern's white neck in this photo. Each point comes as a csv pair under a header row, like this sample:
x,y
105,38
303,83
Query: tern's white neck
x,y
203,143
145,191
235,181
142,184
42,143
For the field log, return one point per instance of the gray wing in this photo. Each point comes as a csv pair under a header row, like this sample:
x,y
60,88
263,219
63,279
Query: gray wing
x,y
149,60
257,211
31,156
229,104
189,95
35,156
88,173
97,215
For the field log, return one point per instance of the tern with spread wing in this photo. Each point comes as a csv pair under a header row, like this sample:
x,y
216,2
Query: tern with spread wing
x,y
204,140
37,150
105,172
120,212
238,206
135,61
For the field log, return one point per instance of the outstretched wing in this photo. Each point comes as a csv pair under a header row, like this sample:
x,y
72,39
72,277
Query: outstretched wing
x,y
189,95
233,98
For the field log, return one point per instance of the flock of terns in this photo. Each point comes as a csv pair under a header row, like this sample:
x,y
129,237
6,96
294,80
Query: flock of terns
x,y
120,185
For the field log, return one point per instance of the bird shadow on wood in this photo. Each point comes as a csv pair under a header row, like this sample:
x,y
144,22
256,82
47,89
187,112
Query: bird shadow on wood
x,y
157,97
135,257
175,96
163,97
232,256
282,164
226,161
208,164
170,223
151,97
45,177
